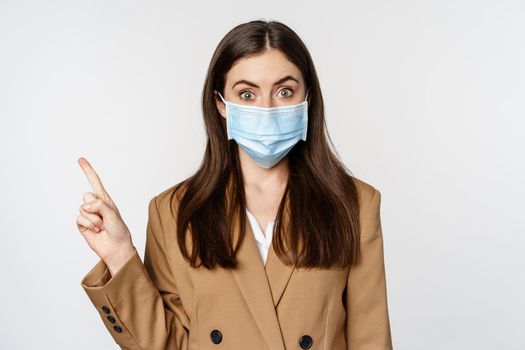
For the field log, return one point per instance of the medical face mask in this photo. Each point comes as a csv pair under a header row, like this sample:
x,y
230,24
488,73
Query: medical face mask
x,y
266,134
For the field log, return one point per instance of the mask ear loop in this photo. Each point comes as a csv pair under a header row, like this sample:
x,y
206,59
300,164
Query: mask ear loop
x,y
307,91
218,93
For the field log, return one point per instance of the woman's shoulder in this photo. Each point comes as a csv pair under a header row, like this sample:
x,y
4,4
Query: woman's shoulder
x,y
167,199
365,191
165,202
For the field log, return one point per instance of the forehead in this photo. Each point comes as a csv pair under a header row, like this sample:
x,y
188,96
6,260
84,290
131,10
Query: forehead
x,y
263,69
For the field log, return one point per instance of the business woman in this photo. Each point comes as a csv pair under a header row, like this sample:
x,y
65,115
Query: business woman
x,y
272,243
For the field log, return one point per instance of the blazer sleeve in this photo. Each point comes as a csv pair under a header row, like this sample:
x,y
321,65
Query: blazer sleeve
x,y
368,325
140,305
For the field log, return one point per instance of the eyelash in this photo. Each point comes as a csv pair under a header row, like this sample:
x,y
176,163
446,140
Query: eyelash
x,y
242,92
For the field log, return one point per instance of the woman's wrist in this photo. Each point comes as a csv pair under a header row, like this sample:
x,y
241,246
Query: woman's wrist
x,y
119,259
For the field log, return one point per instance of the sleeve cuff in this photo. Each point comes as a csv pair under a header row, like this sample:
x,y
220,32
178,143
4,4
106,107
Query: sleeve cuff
x,y
109,295
98,276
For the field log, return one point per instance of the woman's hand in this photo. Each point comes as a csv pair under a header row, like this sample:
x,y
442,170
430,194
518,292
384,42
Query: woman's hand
x,y
101,224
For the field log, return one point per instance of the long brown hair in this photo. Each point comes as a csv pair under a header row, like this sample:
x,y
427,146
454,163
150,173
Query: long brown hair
x,y
317,224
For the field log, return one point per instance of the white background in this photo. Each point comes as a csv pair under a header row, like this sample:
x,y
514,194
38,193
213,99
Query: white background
x,y
424,100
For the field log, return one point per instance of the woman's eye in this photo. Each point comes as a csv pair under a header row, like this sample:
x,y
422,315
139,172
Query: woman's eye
x,y
289,94
245,95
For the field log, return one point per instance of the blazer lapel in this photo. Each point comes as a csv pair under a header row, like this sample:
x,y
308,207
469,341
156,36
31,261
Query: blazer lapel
x,y
278,275
251,278
277,272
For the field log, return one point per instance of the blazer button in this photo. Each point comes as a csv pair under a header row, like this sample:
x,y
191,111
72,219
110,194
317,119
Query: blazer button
x,y
117,328
105,309
216,336
111,319
305,342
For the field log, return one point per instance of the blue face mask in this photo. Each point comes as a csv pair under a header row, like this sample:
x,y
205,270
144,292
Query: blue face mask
x,y
266,134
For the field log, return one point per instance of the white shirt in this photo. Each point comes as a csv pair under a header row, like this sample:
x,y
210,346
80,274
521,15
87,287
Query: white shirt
x,y
263,240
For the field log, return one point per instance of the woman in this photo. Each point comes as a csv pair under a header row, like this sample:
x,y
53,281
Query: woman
x,y
212,278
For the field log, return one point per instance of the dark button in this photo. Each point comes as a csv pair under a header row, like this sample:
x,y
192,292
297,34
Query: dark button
x,y
216,336
111,319
305,342
117,328
105,309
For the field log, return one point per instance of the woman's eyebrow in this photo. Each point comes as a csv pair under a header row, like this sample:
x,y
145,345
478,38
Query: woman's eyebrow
x,y
280,81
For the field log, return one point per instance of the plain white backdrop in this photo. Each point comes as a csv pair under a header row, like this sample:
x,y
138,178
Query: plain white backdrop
x,y
424,100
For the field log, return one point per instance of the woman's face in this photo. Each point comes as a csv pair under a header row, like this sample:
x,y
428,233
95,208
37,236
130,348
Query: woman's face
x,y
265,80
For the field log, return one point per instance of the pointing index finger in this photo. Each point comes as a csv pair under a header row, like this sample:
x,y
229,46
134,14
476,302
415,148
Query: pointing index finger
x,y
93,178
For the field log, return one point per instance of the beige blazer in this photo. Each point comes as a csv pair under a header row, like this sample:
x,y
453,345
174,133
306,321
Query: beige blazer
x,y
163,303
